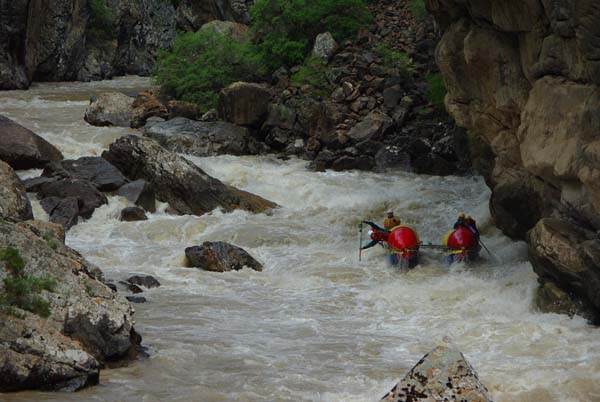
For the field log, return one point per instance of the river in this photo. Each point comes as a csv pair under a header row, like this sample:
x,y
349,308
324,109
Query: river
x,y
316,324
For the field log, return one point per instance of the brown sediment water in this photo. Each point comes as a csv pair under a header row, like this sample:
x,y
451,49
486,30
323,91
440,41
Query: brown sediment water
x,y
316,324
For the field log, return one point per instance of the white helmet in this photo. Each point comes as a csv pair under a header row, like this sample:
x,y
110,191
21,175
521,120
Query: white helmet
x,y
389,211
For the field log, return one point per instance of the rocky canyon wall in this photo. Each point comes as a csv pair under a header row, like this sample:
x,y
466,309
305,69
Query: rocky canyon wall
x,y
524,76
60,41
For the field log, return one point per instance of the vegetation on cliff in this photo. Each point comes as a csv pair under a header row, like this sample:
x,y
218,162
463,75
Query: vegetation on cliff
x,y
23,290
283,32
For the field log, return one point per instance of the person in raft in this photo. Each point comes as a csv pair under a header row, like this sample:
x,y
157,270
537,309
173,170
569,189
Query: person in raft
x,y
377,234
467,222
391,221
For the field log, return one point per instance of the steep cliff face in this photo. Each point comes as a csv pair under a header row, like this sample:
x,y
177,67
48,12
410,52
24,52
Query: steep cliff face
x,y
524,76
57,41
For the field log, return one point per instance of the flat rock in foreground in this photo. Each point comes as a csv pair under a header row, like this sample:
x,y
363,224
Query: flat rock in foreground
x,y
186,187
443,375
22,148
56,337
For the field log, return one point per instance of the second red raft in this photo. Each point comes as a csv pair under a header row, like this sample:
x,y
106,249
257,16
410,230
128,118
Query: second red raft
x,y
403,242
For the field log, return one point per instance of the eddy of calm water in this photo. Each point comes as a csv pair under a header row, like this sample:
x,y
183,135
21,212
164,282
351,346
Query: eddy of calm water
x,y
316,324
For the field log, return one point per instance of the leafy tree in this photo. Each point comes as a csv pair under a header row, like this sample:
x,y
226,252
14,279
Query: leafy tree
x,y
102,21
286,29
200,64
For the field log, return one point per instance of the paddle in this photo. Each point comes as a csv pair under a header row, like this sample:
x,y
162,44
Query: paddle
x,y
360,237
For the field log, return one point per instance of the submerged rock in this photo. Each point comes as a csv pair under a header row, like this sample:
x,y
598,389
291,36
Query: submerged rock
x,y
186,187
91,168
201,138
140,193
442,375
146,281
14,204
132,214
220,257
87,324
22,148
110,109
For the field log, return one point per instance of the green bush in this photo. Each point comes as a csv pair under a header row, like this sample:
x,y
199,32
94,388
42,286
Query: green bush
x,y
286,29
436,90
200,64
418,8
395,61
13,260
312,72
22,290
52,243
102,21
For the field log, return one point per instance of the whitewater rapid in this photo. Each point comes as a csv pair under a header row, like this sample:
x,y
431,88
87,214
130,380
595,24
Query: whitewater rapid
x,y
316,324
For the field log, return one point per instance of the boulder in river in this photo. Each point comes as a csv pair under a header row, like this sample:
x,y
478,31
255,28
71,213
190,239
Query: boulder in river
x,y
140,193
22,148
186,187
132,214
88,195
220,257
144,106
58,336
110,109
200,138
567,255
244,104
97,170
441,375
63,211
147,281
14,204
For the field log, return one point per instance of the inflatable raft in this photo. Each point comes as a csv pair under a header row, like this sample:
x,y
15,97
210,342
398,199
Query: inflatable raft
x,y
403,246
463,245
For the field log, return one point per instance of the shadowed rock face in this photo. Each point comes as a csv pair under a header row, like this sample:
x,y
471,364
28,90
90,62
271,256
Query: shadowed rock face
x,y
22,148
14,204
186,187
441,375
524,76
88,324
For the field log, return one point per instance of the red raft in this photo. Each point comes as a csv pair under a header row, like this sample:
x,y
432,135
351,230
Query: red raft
x,y
462,243
403,242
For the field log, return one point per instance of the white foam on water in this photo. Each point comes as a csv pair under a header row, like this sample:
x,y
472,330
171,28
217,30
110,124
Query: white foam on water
x,y
316,324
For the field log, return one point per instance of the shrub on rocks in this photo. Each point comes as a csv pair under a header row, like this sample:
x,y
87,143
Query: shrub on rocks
x,y
200,64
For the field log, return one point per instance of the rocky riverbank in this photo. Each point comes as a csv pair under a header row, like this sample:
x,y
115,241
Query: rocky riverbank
x,y
523,76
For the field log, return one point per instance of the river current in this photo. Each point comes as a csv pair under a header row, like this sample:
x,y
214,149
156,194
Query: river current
x,y
316,324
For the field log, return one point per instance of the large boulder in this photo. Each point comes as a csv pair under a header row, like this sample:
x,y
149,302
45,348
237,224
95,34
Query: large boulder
x,y
110,109
59,336
371,127
441,375
23,149
567,255
14,204
91,168
220,257
186,187
62,211
147,281
88,196
244,104
201,138
13,20
144,106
